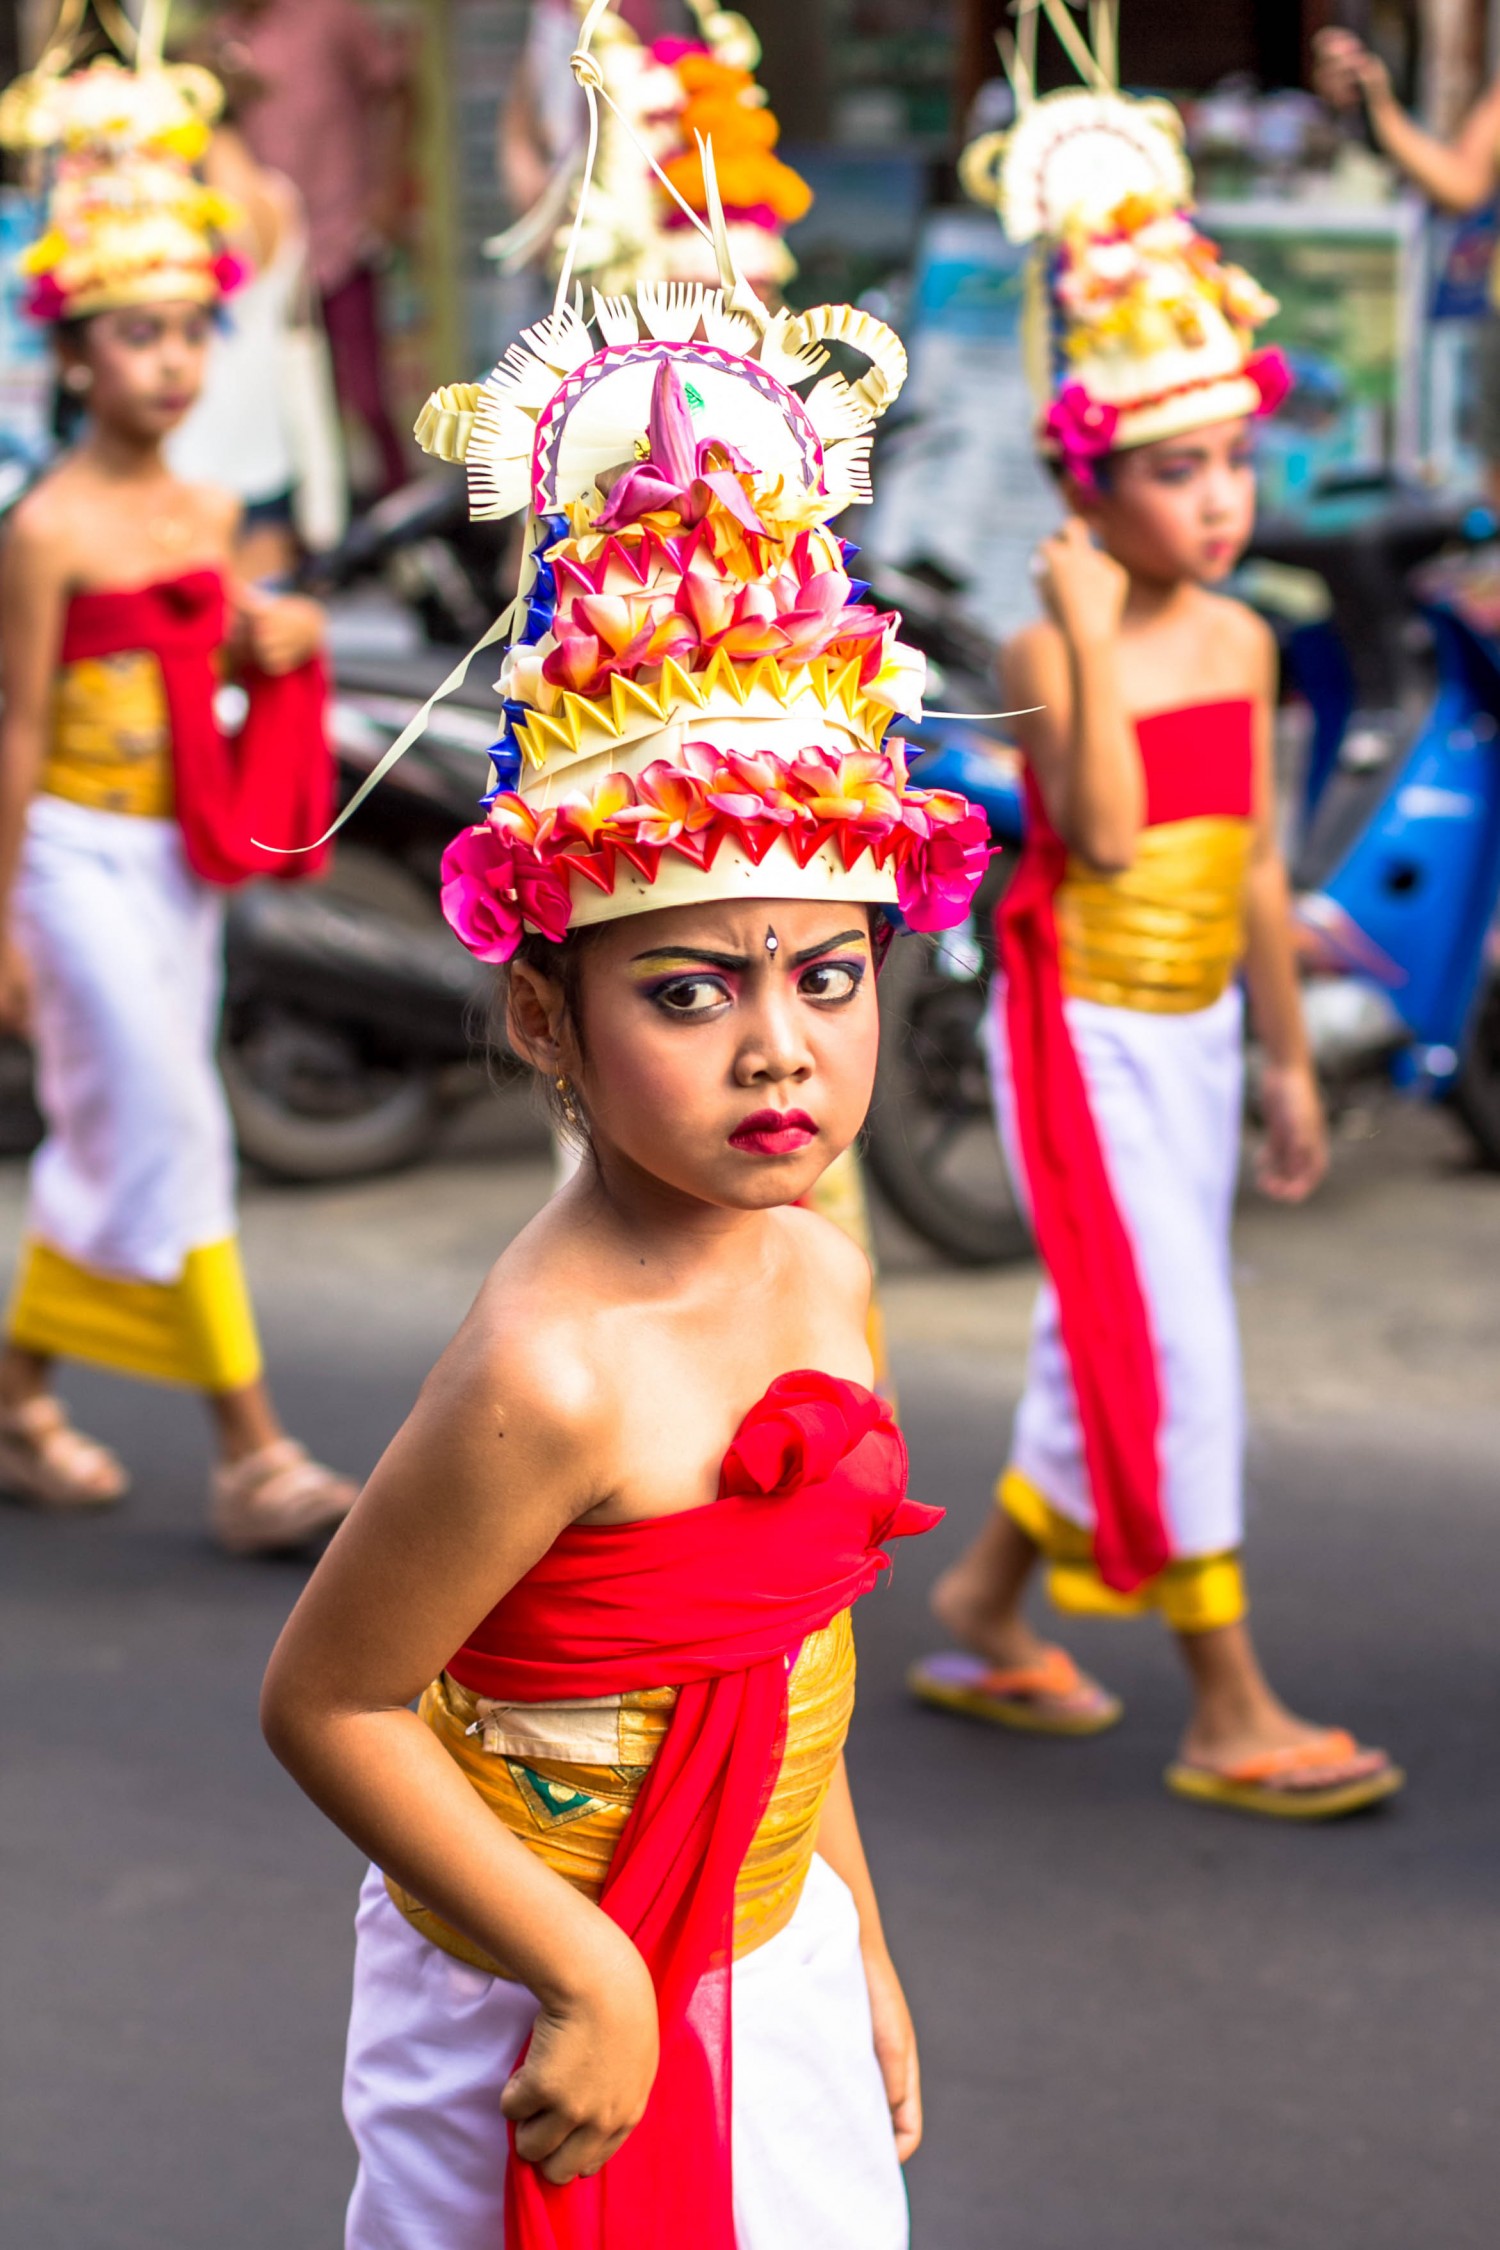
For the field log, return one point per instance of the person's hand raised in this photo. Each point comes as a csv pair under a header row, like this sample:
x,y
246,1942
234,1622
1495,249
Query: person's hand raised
x,y
1083,587
1346,72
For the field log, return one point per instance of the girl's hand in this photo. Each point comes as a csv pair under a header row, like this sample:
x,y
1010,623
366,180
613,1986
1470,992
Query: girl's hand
x,y
895,2050
1295,1156
280,631
1083,587
1345,72
589,2069
15,990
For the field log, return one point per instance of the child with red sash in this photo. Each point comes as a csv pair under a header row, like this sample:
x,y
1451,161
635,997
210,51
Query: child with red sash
x,y
1150,882
620,1980
125,813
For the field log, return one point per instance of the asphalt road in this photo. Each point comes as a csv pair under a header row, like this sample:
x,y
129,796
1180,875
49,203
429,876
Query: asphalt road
x,y
1145,2026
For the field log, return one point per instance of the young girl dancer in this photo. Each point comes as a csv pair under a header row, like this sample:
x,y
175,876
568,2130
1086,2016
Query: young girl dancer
x,y
1151,880
618,1540
124,813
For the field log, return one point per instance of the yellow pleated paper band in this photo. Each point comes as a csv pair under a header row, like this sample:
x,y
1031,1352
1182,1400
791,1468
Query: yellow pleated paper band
x,y
198,1330
1196,1595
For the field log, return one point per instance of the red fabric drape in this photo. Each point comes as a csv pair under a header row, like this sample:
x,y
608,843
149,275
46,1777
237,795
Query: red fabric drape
x,y
273,781
715,1602
1197,761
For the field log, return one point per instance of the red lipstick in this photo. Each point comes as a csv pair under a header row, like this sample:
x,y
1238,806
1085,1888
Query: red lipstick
x,y
773,1132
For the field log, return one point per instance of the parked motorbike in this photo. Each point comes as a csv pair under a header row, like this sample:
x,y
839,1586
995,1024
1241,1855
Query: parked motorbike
x,y
353,1018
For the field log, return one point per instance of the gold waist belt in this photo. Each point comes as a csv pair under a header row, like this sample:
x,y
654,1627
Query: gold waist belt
x,y
1168,934
564,1776
111,746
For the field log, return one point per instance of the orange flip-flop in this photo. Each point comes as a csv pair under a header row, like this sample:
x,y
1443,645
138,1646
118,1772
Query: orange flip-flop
x,y
1280,1784
1031,1698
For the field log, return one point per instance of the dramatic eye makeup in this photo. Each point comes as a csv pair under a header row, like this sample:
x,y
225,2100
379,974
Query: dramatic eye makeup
x,y
692,984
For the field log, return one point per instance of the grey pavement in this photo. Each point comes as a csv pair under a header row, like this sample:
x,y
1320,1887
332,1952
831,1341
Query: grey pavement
x,y
1145,2026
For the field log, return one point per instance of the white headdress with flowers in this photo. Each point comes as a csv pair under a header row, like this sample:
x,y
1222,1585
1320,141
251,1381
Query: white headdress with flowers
x,y
646,182
1136,330
698,702
128,221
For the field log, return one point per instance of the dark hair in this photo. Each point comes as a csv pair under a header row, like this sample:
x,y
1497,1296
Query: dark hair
x,y
561,962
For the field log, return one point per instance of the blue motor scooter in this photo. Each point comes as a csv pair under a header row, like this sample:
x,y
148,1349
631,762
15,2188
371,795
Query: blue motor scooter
x,y
1397,896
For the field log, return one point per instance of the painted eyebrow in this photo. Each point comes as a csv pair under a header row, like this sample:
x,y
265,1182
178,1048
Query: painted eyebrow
x,y
702,955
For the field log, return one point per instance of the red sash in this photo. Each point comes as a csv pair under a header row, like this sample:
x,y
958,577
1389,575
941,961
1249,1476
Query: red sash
x,y
274,780
715,1602
1197,761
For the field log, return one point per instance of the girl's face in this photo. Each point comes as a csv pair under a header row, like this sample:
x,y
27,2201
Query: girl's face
x,y
145,364
1182,508
726,1050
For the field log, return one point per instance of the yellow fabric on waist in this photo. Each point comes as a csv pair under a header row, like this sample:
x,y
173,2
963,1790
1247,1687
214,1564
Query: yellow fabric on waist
x,y
111,742
570,1809
1195,1595
1167,934
198,1330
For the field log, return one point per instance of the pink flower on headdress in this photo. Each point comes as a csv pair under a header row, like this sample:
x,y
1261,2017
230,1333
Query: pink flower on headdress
x,y
45,299
230,273
936,881
1083,430
494,883
1269,372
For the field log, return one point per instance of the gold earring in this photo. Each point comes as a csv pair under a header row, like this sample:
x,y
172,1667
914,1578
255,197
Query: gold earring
x,y
565,1096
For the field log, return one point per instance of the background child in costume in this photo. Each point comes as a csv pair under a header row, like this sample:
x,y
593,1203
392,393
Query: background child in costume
x,y
123,812
1151,873
647,1482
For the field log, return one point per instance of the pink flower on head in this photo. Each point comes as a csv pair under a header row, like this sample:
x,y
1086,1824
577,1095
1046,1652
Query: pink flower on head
x,y
44,299
1269,372
494,884
1083,430
936,881
230,272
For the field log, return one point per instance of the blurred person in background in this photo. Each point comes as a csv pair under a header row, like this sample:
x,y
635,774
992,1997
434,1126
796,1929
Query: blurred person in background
x,y
322,90
1460,175
265,424
1150,888
125,815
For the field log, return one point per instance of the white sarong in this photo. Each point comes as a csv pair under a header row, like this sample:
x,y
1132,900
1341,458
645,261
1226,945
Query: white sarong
x,y
126,950
433,2041
1165,1093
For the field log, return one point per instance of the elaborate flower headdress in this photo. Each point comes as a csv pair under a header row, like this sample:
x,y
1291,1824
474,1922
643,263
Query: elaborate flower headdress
x,y
698,701
1135,329
646,185
128,222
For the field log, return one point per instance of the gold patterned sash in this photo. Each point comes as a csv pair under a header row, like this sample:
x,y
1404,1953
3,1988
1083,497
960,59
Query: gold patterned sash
x,y
111,745
564,1776
1167,934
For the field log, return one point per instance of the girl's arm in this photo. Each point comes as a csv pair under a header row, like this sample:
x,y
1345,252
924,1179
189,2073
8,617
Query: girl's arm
x,y
472,1491
33,598
1080,743
1295,1155
895,2040
1459,175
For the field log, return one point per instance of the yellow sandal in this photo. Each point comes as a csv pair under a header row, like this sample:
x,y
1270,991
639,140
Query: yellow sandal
x,y
1281,1784
1050,1696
